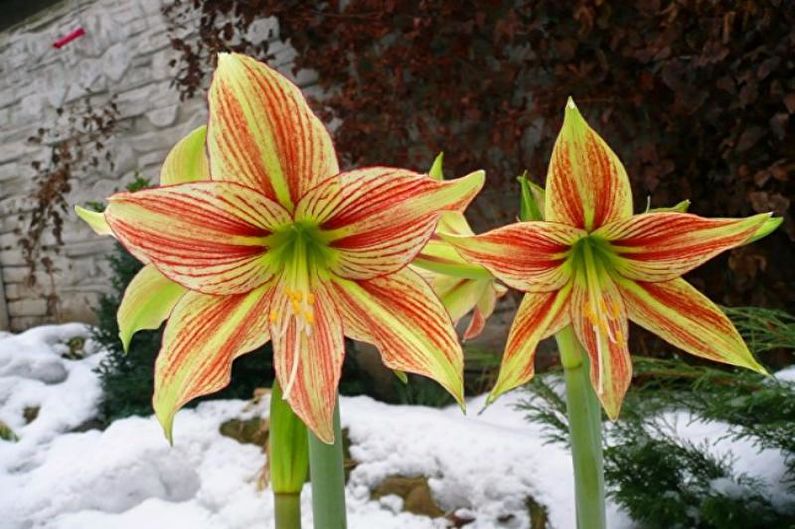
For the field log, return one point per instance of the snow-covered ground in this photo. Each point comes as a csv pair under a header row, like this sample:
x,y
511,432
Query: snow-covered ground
x,y
128,477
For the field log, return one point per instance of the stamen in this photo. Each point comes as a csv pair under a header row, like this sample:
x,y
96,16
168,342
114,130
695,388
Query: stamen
x,y
294,369
600,356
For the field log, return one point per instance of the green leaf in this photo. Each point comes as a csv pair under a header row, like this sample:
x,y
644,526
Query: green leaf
x,y
436,171
531,196
681,207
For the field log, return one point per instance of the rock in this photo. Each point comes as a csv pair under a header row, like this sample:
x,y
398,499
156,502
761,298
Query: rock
x,y
7,434
249,431
415,492
539,518
87,426
349,463
30,413
116,60
76,348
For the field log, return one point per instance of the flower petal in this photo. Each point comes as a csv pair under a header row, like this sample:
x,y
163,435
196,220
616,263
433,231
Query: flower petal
x,y
766,229
379,218
400,315
536,313
475,326
682,316
528,256
263,134
587,185
187,160
458,295
204,334
95,219
663,246
441,257
454,223
308,366
206,236
599,319
148,300
483,310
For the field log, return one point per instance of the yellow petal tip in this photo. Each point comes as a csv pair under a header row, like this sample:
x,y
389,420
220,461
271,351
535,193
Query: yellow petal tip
x,y
570,104
95,220
167,424
759,368
573,122
476,179
125,341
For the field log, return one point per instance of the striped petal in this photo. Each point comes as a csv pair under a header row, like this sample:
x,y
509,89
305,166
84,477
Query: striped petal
x,y
401,315
379,218
202,337
206,236
599,318
537,312
483,310
454,223
148,300
263,134
587,185
476,325
187,161
441,257
528,256
682,316
308,365
663,246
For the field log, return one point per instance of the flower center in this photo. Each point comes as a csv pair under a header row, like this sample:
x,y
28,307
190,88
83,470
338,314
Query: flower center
x,y
301,251
591,259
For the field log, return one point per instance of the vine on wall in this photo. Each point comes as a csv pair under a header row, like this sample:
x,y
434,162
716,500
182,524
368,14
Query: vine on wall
x,y
696,96
76,143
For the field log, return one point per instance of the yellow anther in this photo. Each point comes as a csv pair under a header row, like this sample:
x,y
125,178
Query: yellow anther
x,y
309,317
589,314
310,298
274,315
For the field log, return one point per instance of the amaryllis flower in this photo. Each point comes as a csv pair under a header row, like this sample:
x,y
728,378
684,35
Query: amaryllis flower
x,y
593,264
278,245
462,286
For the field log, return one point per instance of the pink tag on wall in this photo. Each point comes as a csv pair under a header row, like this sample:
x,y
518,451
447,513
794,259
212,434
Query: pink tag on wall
x,y
63,41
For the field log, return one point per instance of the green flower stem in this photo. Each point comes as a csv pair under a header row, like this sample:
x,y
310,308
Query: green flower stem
x,y
585,433
328,479
287,509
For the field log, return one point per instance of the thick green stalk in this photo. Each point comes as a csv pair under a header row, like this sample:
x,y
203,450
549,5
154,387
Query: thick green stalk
x,y
287,508
288,458
328,479
585,433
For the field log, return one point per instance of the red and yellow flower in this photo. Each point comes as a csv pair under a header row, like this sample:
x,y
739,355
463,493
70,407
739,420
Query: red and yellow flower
x,y
594,265
279,245
462,286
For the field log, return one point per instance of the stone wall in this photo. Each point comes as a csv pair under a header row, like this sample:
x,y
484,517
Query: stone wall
x,y
125,53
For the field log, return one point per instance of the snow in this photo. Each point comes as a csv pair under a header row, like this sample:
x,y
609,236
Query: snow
x,y
482,466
